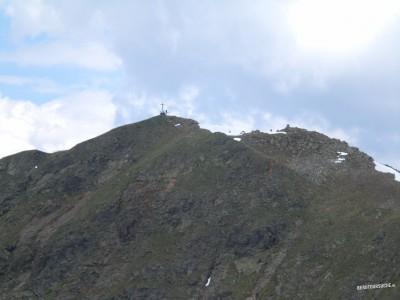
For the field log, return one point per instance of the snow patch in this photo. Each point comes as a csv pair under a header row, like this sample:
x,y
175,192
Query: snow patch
x,y
178,124
278,132
385,169
340,157
208,282
237,139
339,160
36,167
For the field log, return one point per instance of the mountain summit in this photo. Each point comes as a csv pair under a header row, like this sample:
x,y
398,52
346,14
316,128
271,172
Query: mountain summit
x,y
162,209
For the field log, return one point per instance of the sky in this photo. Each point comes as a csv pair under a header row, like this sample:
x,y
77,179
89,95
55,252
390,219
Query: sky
x,y
71,70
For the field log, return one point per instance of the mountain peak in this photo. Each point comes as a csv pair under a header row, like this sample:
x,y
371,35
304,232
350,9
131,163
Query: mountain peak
x,y
162,209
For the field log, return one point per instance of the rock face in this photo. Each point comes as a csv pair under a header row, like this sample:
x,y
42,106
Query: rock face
x,y
158,211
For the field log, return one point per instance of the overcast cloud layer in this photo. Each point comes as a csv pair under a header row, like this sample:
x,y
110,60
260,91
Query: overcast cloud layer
x,y
70,70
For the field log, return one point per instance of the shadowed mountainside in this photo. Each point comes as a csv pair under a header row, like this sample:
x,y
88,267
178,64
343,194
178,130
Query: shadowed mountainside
x,y
162,209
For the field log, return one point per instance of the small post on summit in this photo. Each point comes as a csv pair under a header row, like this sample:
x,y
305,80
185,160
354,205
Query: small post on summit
x,y
163,112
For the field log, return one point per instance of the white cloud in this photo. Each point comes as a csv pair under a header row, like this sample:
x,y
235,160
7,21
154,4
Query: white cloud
x,y
33,17
62,19
59,34
257,37
38,84
15,126
91,55
55,125
339,27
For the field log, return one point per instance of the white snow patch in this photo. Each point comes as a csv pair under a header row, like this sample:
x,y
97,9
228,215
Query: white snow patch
x,y
178,124
36,167
237,139
339,160
278,132
208,282
340,157
385,169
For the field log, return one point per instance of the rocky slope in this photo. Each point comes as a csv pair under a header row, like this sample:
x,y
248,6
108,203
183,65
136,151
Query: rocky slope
x,y
162,209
